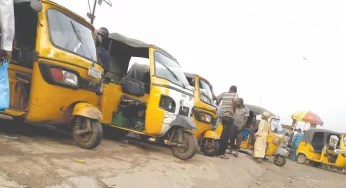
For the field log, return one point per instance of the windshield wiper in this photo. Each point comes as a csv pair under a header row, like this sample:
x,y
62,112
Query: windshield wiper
x,y
174,75
81,39
76,32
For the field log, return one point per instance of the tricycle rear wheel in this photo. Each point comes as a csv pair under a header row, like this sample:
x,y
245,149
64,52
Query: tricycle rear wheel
x,y
93,132
189,148
301,158
210,147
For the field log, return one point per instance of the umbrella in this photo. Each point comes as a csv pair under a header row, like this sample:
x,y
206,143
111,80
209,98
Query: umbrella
x,y
308,117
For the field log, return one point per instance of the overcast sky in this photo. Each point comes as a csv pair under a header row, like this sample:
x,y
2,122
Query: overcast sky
x,y
292,53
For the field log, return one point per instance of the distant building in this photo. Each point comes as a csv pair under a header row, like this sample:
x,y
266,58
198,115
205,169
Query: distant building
x,y
287,128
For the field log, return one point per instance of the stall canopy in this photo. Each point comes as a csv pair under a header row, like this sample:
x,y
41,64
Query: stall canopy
x,y
307,117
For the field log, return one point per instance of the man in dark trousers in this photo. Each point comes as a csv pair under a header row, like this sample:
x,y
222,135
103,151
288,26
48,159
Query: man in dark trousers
x,y
237,129
228,100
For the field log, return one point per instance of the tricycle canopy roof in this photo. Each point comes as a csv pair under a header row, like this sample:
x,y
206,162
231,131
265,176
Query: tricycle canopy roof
x,y
136,43
193,76
258,110
309,134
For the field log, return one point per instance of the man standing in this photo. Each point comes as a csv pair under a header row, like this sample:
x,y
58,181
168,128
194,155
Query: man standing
x,y
295,143
261,138
6,28
227,113
104,55
240,118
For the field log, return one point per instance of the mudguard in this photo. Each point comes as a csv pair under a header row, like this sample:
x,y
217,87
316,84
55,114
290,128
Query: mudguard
x,y
185,122
211,134
87,110
281,151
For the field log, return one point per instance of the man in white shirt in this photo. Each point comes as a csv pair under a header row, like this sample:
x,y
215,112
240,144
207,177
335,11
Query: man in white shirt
x,y
6,28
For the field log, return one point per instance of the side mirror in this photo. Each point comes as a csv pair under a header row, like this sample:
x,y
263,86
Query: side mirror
x,y
36,6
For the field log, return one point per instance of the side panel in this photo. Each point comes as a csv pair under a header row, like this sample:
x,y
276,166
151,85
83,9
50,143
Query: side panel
x,y
157,120
308,151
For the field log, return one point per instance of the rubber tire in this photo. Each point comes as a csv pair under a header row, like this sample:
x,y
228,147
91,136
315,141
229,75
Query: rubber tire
x,y
301,159
214,152
280,162
191,151
96,137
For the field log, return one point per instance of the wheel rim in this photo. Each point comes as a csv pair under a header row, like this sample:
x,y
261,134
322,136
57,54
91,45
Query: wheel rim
x,y
301,159
184,147
209,146
80,126
279,160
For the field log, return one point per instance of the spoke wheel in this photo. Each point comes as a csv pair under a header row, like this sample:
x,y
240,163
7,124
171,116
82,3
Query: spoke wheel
x,y
188,149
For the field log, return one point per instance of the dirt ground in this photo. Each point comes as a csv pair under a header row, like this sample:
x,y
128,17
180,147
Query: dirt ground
x,y
41,158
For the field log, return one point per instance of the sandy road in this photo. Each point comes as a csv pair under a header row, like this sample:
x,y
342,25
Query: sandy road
x,y
36,157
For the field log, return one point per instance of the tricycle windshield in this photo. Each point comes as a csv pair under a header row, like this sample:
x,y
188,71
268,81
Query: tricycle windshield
x,y
344,140
170,70
70,35
205,92
276,126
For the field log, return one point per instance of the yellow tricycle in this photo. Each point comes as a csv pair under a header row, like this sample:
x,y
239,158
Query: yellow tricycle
x,y
275,139
54,75
323,148
204,115
146,93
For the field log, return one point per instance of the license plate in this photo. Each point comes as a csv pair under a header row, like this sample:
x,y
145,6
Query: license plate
x,y
94,73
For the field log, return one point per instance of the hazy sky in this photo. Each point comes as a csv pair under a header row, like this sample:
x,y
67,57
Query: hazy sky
x,y
292,52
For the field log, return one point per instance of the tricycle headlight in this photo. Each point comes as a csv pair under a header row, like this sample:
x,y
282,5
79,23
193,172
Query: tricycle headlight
x,y
167,103
70,78
206,117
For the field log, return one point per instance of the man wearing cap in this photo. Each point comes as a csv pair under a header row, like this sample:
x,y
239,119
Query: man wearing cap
x,y
261,138
103,53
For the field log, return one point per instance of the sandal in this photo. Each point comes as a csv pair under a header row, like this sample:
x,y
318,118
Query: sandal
x,y
224,157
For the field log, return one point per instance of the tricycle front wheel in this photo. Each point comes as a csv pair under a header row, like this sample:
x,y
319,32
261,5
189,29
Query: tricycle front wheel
x,y
87,132
187,149
210,147
279,160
